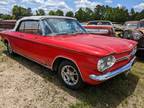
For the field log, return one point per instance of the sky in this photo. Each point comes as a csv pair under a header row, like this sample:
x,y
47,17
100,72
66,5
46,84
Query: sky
x,y
68,5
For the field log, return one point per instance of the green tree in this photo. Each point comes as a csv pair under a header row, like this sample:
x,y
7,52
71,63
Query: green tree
x,y
5,17
89,14
132,15
108,15
52,12
18,12
40,12
99,12
80,15
59,12
139,15
70,14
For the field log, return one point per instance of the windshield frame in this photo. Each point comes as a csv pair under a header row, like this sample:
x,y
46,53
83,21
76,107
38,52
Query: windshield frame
x,y
64,33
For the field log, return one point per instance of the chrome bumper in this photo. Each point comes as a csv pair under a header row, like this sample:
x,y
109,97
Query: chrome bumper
x,y
114,73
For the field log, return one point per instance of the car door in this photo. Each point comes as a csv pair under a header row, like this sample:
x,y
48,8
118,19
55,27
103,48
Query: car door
x,y
28,42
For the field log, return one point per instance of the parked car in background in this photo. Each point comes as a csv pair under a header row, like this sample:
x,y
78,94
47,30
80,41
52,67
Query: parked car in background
x,y
63,45
131,25
100,30
134,30
7,24
118,26
99,22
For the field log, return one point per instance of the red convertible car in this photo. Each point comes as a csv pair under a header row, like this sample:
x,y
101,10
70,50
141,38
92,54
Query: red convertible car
x,y
62,45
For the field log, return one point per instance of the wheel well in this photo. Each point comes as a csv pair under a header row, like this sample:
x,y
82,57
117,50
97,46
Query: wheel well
x,y
5,41
58,61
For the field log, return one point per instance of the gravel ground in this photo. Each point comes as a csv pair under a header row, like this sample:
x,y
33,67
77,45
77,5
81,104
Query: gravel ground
x,y
24,84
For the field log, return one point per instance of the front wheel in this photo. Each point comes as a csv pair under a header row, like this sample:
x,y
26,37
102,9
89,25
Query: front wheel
x,y
70,76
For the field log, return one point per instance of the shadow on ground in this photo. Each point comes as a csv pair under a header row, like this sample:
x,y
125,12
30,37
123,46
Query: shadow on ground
x,y
109,94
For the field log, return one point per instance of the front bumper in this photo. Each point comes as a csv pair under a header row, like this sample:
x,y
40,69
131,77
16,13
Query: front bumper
x,y
114,73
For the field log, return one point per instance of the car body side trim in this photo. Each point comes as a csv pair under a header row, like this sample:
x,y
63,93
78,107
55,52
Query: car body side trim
x,y
33,60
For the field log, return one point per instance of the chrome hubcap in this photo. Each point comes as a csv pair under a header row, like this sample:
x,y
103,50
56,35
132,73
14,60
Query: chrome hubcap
x,y
69,75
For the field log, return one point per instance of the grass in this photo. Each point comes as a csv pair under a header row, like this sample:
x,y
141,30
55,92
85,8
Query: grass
x,y
2,47
117,92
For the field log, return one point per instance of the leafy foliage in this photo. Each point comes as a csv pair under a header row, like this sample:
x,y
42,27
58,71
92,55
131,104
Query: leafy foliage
x,y
70,14
100,12
40,12
52,12
19,12
59,13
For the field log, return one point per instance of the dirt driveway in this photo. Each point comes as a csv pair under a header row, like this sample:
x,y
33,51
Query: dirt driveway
x,y
25,84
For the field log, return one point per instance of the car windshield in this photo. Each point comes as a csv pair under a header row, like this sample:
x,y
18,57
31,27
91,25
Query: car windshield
x,y
142,24
132,26
60,26
99,23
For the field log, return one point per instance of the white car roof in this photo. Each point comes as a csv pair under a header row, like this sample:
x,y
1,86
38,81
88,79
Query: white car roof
x,y
43,17
38,18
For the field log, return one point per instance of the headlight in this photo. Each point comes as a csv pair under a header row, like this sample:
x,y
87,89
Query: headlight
x,y
105,63
137,35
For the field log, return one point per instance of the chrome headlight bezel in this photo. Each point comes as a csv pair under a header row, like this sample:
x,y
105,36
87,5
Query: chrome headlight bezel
x,y
105,63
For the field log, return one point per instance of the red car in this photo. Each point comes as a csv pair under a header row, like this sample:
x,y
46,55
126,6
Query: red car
x,y
106,30
62,45
7,24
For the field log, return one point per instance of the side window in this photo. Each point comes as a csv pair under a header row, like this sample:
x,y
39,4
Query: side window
x,y
32,27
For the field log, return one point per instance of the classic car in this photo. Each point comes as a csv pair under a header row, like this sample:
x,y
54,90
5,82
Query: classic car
x,y
7,24
100,30
99,22
63,45
118,26
134,30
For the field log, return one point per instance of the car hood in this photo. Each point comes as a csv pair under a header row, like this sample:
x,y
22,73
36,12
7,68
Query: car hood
x,y
97,43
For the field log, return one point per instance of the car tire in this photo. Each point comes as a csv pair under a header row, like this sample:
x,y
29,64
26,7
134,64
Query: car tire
x,y
9,49
70,76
